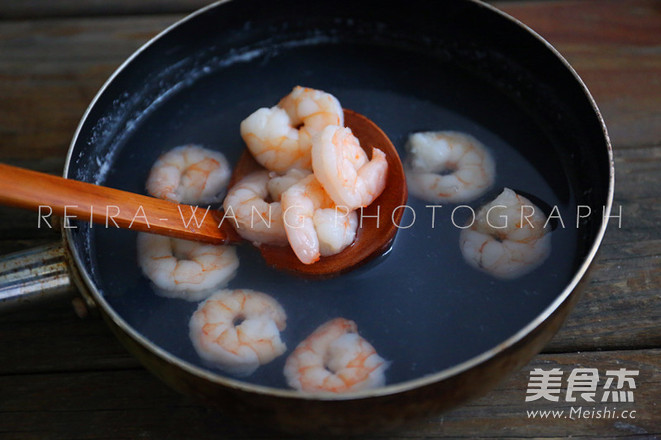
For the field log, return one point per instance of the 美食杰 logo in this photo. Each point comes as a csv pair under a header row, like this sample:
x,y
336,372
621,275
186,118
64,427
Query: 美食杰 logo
x,y
592,395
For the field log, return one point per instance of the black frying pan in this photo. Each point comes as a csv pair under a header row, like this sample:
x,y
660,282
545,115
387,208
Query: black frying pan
x,y
450,331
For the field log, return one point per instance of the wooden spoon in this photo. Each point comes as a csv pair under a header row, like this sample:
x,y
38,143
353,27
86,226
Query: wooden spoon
x,y
110,207
371,241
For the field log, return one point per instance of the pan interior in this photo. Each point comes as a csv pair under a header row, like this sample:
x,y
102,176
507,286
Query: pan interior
x,y
421,306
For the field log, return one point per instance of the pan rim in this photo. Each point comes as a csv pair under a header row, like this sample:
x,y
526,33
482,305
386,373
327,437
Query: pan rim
x,y
396,388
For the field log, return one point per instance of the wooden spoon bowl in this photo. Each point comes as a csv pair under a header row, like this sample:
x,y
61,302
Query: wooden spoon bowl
x,y
115,208
371,241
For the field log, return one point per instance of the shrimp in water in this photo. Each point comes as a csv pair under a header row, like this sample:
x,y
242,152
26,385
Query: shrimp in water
x,y
272,134
185,269
189,174
342,168
336,359
508,238
258,220
314,225
447,166
238,330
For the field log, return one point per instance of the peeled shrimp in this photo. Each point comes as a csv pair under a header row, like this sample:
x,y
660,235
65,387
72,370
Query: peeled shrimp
x,y
185,269
314,225
278,184
272,134
189,174
257,219
513,244
447,166
238,330
334,358
342,168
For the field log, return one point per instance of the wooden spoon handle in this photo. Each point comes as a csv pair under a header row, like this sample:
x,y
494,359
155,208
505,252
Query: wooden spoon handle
x,y
110,207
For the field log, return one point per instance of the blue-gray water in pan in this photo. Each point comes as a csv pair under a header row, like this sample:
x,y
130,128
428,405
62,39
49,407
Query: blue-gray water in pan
x,y
421,306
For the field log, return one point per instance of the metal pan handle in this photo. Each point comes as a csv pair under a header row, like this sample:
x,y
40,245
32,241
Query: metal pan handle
x,y
34,275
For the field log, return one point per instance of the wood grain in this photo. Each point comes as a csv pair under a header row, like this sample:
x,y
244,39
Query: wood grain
x,y
11,9
61,377
614,47
56,67
625,272
130,403
626,279
51,70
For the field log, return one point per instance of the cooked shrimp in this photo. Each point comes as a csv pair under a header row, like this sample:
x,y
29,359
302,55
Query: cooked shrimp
x,y
334,358
342,168
258,220
447,166
314,110
508,238
272,134
238,330
281,183
189,174
185,269
314,225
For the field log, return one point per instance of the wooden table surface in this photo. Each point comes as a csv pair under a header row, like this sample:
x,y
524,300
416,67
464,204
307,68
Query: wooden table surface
x,y
62,377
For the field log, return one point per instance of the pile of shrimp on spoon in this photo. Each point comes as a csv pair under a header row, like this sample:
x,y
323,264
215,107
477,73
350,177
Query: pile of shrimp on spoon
x,y
294,192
